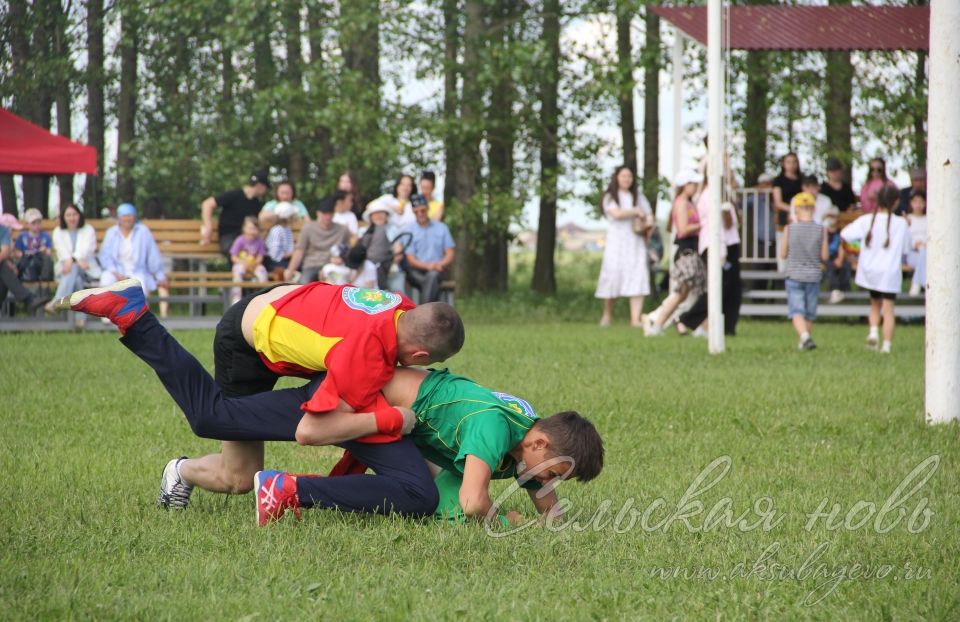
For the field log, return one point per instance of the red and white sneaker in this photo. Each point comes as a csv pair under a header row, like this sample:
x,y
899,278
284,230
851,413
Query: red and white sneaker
x,y
276,492
122,303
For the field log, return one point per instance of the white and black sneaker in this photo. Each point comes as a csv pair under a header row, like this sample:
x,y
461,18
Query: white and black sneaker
x,y
174,492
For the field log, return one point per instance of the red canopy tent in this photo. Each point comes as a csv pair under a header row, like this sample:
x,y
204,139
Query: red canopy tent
x,y
28,149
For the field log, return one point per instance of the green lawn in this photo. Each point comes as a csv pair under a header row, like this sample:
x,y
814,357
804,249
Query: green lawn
x,y
87,429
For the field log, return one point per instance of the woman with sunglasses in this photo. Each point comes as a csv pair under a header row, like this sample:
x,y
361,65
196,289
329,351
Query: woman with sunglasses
x,y
876,179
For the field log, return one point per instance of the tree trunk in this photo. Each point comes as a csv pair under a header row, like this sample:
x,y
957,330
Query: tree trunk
x,y
127,104
451,101
95,112
836,104
36,188
227,75
264,67
19,57
755,117
501,136
8,194
291,15
625,83
544,276
470,222
317,14
651,108
61,50
919,116
360,44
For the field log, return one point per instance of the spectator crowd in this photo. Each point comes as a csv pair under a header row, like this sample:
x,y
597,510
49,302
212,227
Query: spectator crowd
x,y
813,229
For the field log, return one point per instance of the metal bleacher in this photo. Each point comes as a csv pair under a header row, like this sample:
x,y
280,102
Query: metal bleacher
x,y
764,294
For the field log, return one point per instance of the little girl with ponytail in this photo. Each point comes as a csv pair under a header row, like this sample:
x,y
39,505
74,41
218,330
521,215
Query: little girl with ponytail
x,y
886,239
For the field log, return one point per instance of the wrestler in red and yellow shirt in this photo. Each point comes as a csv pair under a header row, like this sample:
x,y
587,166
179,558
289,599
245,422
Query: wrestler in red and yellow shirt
x,y
349,332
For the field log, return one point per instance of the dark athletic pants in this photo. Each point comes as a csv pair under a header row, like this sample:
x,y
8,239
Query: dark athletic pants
x,y
402,483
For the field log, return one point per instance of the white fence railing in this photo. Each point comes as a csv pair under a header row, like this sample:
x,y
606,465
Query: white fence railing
x,y
758,239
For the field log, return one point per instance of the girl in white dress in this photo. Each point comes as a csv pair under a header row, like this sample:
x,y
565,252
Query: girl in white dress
x,y
886,239
625,271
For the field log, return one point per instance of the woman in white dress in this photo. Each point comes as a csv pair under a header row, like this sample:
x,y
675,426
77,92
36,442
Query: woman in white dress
x,y
625,272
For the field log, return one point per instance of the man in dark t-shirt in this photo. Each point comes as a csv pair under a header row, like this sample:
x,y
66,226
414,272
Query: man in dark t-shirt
x,y
835,188
235,205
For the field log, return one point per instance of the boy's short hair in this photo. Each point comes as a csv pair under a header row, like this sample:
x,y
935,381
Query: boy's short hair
x,y
810,180
437,328
572,435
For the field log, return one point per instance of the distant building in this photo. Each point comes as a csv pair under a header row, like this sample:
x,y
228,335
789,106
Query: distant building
x,y
570,237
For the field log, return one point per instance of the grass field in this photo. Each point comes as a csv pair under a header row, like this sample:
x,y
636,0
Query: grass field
x,y
87,429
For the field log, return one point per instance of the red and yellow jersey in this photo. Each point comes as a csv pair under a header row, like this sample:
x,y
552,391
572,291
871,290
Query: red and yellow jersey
x,y
349,332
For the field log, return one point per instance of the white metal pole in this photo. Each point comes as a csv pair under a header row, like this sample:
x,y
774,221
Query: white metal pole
x,y
677,101
715,172
943,240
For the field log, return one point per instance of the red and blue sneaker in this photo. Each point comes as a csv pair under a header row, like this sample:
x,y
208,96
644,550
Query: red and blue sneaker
x,y
276,492
122,303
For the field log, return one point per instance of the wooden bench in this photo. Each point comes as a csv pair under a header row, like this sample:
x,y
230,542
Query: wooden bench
x,y
200,283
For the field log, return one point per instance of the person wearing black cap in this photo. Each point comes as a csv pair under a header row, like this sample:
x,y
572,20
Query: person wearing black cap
x,y
235,206
835,188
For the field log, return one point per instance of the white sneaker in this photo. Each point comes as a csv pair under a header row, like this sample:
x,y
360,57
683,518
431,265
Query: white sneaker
x,y
174,492
652,331
872,343
700,332
836,296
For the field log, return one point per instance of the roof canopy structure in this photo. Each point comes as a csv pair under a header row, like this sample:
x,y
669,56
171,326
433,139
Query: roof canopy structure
x,y
811,27
28,149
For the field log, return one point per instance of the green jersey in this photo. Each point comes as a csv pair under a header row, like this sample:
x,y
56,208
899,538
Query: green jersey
x,y
457,417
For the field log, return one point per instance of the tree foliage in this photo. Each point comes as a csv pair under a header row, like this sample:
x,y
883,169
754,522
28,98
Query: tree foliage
x,y
202,91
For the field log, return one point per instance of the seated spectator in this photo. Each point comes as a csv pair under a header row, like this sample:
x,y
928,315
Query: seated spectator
x,y
129,251
347,181
247,256
342,214
313,248
279,241
428,182
836,189
876,179
363,272
9,280
838,266
34,250
917,255
235,206
918,183
285,192
75,243
430,253
379,240
402,217
811,185
336,271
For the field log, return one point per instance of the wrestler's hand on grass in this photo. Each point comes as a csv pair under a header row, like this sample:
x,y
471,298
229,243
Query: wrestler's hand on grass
x,y
409,420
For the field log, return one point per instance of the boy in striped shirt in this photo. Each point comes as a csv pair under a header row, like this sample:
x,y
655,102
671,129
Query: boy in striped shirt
x,y
805,249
